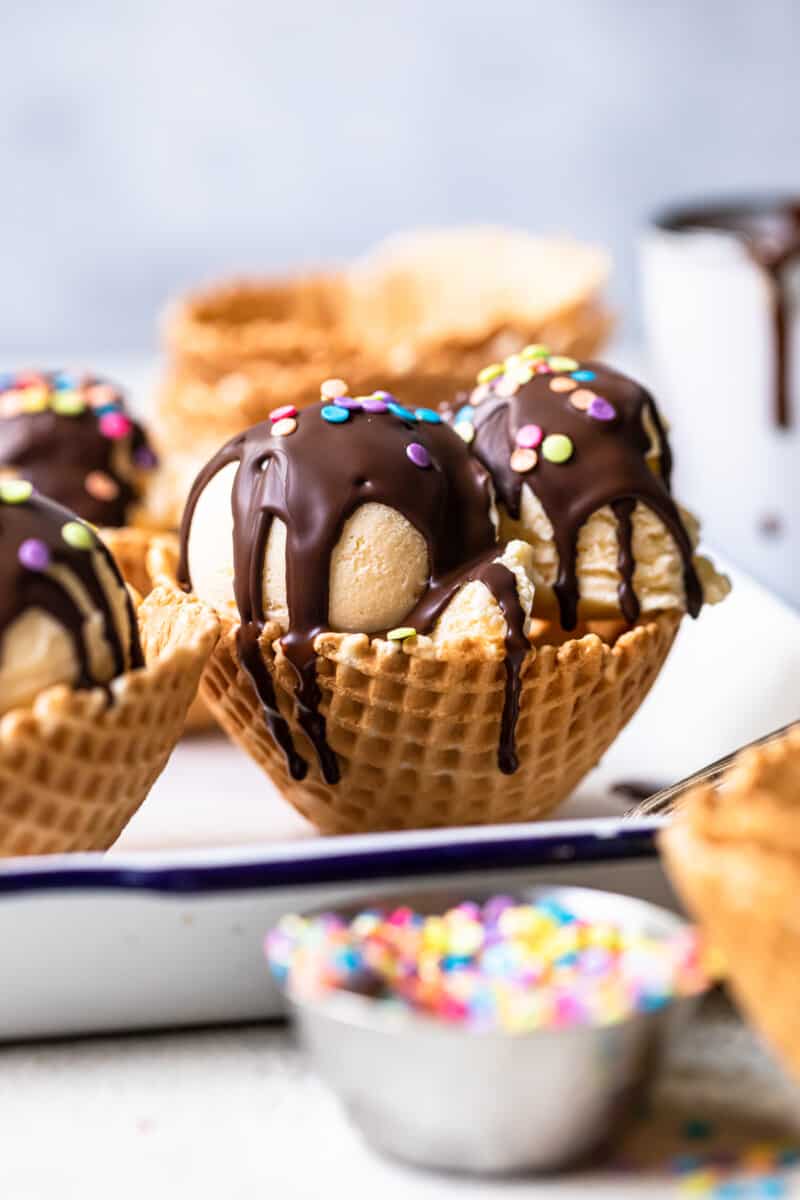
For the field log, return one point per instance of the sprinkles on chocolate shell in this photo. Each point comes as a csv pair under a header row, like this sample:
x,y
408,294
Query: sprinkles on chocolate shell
x,y
69,435
593,452
418,455
284,427
335,414
36,535
331,389
557,448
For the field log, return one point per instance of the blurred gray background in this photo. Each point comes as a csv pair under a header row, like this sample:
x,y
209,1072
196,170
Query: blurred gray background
x,y
145,147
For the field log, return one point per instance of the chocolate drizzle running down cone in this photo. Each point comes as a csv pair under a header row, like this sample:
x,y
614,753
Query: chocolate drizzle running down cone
x,y
593,428
336,458
36,557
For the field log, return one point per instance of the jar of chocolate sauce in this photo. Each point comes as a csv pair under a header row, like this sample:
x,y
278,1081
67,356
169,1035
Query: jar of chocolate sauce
x,y
721,282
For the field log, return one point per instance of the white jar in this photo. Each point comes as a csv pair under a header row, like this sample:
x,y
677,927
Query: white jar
x,y
711,329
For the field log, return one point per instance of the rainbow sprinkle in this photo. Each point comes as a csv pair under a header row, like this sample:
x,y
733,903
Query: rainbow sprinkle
x,y
505,965
70,395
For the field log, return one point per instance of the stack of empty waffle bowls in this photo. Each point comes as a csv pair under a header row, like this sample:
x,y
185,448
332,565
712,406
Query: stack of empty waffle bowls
x,y
419,315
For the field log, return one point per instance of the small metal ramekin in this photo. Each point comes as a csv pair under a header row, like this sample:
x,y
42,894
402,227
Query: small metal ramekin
x,y
454,1099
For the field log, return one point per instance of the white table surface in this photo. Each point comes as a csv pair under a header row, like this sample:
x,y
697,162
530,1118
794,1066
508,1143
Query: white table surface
x,y
235,1114
227,1113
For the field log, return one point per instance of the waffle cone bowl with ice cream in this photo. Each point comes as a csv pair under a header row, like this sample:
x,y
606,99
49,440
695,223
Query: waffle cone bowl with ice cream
x,y
139,554
419,314
94,686
381,655
732,855
71,436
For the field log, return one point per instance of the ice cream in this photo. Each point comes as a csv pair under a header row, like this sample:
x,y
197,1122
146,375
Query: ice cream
x,y
65,614
72,438
354,515
581,464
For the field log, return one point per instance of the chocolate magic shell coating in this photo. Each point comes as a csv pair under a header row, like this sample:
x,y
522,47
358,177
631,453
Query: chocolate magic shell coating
x,y
579,435
44,553
72,438
333,458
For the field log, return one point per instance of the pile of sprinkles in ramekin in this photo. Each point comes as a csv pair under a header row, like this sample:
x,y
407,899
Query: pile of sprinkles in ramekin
x,y
505,965
568,379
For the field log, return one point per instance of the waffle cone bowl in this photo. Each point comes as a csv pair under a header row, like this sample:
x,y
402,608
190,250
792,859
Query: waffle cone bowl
x,y
421,313
76,765
138,554
733,854
416,728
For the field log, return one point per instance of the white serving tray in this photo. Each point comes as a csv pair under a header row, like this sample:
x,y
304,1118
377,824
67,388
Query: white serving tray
x,y
167,928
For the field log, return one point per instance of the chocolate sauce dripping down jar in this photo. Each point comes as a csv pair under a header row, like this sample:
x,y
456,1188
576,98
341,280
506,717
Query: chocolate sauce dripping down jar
x,y
721,281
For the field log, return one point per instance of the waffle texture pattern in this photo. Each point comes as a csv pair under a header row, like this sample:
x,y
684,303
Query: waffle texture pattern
x,y
76,765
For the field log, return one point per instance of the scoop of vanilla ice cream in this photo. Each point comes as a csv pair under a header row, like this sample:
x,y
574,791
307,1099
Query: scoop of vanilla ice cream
x,y
475,613
379,570
37,651
658,576
379,566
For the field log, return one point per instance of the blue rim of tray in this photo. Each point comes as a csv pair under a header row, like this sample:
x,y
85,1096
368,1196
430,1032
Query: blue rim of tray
x,y
344,860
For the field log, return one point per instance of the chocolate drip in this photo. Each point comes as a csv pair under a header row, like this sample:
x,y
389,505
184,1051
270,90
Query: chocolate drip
x,y
608,466
40,521
59,453
502,583
314,480
770,231
626,563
